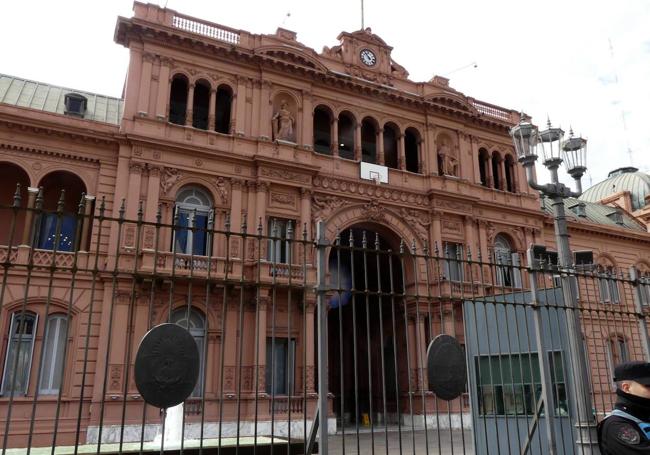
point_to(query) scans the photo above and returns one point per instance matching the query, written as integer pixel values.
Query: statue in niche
(447, 162)
(283, 123)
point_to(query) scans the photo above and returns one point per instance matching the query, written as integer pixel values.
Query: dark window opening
(201, 106)
(411, 151)
(322, 131)
(390, 147)
(280, 365)
(178, 100)
(483, 161)
(496, 161)
(368, 141)
(75, 104)
(346, 137)
(223, 107)
(279, 245)
(510, 174)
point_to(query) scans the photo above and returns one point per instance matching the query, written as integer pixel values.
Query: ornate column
(502, 171)
(266, 107)
(238, 124)
(380, 146)
(190, 106)
(162, 97)
(29, 215)
(262, 305)
(357, 142)
(133, 80)
(488, 168)
(470, 240)
(402, 152)
(310, 373)
(422, 168)
(307, 120)
(476, 160)
(436, 230)
(145, 83)
(212, 110)
(260, 106)
(431, 149)
(133, 194)
(153, 193)
(253, 219)
(235, 217)
(483, 238)
(334, 139)
(305, 214)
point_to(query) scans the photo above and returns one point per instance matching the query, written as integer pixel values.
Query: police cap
(633, 371)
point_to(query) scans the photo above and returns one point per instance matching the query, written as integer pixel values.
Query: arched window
(196, 326)
(507, 263)
(510, 174)
(322, 130)
(60, 231)
(178, 99)
(223, 109)
(201, 105)
(193, 213)
(346, 135)
(483, 163)
(369, 140)
(53, 348)
(496, 170)
(20, 348)
(10, 176)
(391, 152)
(412, 150)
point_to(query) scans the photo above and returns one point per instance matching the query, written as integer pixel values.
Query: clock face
(368, 57)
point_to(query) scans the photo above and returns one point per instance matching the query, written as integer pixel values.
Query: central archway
(366, 326)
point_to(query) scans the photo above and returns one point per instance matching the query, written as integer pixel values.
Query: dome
(622, 179)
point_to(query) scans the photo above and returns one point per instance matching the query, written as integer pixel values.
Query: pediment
(367, 36)
(452, 100)
(293, 55)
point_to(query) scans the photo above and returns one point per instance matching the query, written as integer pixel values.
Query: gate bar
(321, 288)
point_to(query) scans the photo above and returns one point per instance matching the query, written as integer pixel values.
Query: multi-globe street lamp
(555, 150)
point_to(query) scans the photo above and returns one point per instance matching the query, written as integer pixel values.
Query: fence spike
(140, 210)
(425, 250)
(61, 203)
(351, 239)
(364, 240)
(413, 247)
(17, 197)
(304, 231)
(377, 241)
(159, 214)
(401, 246)
(290, 230)
(469, 253)
(244, 224)
(259, 227)
(102, 207)
(227, 223)
(122, 209)
(82, 205)
(436, 250)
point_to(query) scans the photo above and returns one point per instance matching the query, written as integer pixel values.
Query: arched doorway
(12, 175)
(366, 327)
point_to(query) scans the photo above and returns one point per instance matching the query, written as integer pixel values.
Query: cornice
(603, 230)
(23, 148)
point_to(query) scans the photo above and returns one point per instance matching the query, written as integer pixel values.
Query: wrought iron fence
(291, 327)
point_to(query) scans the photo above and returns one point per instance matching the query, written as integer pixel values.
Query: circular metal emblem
(167, 365)
(447, 371)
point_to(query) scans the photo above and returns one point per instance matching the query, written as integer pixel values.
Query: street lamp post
(572, 151)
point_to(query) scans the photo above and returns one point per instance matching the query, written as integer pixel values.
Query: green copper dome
(622, 179)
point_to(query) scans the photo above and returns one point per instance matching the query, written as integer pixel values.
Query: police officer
(627, 429)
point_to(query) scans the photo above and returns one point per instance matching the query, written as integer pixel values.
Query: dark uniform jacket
(627, 430)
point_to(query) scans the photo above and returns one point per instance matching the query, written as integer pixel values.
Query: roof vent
(580, 209)
(75, 104)
(616, 216)
(622, 170)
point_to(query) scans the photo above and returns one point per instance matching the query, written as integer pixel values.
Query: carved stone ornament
(283, 124)
(323, 206)
(419, 221)
(168, 178)
(221, 186)
(283, 174)
(283, 198)
(374, 210)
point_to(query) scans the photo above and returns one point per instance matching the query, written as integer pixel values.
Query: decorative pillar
(163, 89)
(305, 213)
(190, 106)
(476, 159)
(422, 353)
(266, 107)
(153, 193)
(470, 237)
(357, 142)
(238, 123)
(483, 239)
(436, 230)
(488, 168)
(262, 305)
(235, 217)
(413, 354)
(380, 146)
(133, 194)
(307, 120)
(145, 84)
(421, 162)
(310, 309)
(502, 171)
(334, 139)
(259, 106)
(29, 215)
(260, 212)
(212, 110)
(402, 152)
(253, 219)
(132, 80)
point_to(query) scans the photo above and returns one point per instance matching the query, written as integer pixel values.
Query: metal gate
(294, 330)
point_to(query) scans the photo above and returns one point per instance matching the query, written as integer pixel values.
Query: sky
(583, 64)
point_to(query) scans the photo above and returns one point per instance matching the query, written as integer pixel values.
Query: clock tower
(366, 55)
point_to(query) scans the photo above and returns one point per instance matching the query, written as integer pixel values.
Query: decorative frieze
(370, 190)
(284, 174)
(283, 199)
